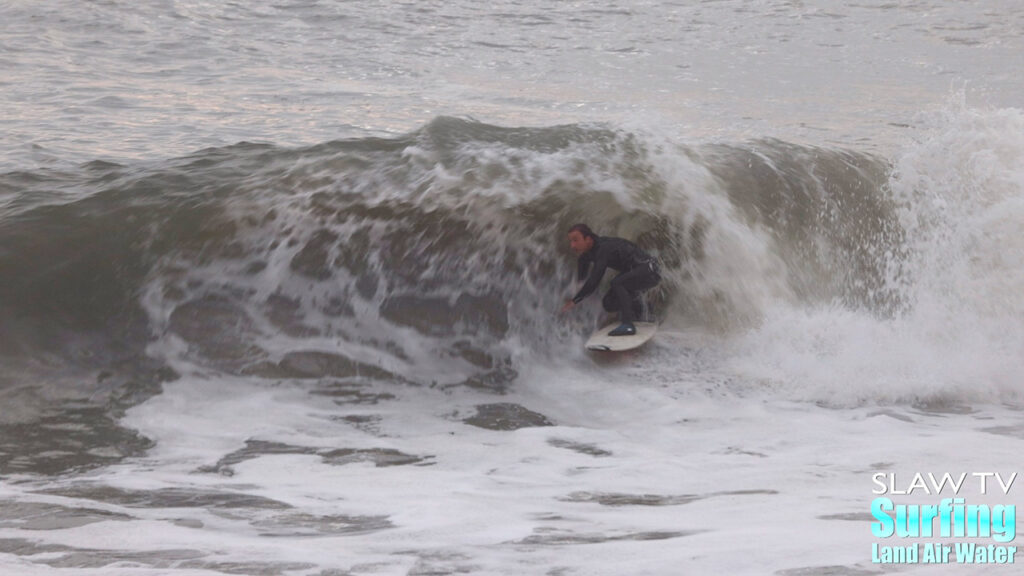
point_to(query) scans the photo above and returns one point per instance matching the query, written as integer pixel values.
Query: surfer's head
(581, 238)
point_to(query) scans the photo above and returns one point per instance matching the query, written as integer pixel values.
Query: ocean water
(279, 283)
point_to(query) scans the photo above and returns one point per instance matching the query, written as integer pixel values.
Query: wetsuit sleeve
(596, 273)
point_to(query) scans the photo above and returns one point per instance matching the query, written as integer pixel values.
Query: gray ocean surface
(279, 282)
(109, 80)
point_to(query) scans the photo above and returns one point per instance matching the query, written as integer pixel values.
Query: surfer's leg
(618, 299)
(623, 299)
(610, 302)
(637, 304)
(625, 292)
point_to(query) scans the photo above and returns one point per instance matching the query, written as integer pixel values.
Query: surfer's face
(580, 243)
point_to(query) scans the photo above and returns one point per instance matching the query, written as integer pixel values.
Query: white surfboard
(600, 340)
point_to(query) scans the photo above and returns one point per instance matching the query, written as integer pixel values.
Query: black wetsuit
(638, 271)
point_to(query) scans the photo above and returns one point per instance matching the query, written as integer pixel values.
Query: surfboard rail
(600, 340)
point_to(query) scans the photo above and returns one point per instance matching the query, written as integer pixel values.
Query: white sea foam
(676, 478)
(957, 338)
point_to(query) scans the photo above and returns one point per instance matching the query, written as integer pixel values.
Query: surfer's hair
(582, 229)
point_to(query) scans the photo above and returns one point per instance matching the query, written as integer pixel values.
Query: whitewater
(279, 285)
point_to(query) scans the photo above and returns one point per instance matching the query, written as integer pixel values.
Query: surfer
(638, 271)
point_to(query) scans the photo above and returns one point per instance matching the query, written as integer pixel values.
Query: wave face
(439, 255)
(440, 258)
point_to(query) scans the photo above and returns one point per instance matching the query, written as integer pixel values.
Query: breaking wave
(439, 257)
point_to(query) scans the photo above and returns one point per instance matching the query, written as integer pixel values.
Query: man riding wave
(638, 271)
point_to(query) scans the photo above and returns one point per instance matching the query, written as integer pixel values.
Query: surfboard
(600, 340)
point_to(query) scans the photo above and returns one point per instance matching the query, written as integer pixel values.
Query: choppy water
(278, 282)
